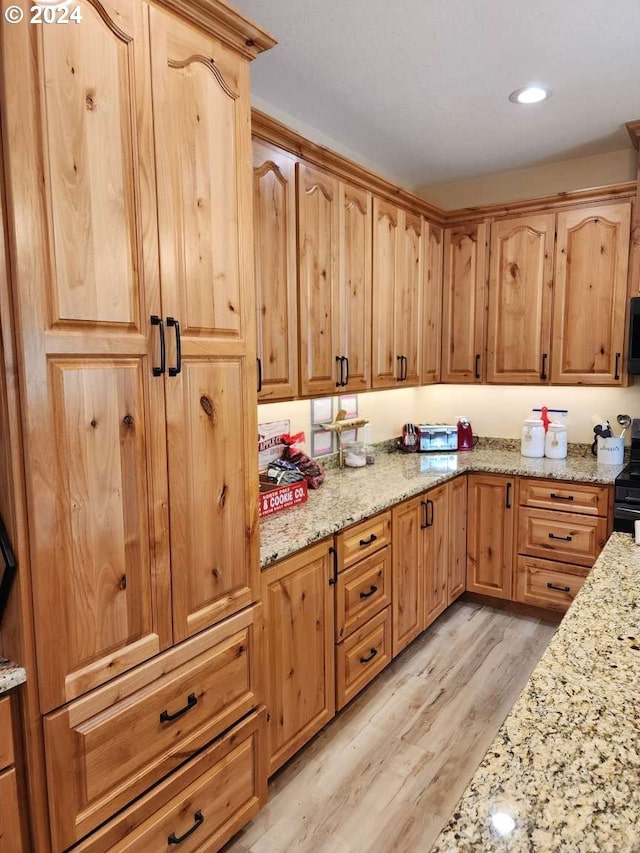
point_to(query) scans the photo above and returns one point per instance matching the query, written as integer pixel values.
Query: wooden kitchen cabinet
(421, 561)
(127, 153)
(354, 283)
(432, 305)
(334, 273)
(491, 528)
(436, 553)
(463, 303)
(408, 587)
(520, 299)
(457, 575)
(12, 835)
(298, 603)
(274, 224)
(398, 268)
(162, 147)
(590, 295)
(562, 527)
(318, 271)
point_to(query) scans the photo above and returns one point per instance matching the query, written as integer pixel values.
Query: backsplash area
(492, 409)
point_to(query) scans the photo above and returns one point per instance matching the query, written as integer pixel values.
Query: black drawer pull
(561, 497)
(192, 701)
(617, 371)
(507, 497)
(259, 361)
(173, 323)
(369, 541)
(157, 321)
(543, 371)
(559, 588)
(561, 538)
(371, 591)
(477, 373)
(198, 820)
(371, 656)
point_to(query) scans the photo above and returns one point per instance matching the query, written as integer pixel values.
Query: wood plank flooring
(386, 774)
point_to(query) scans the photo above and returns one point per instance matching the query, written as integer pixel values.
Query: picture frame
(321, 442)
(321, 411)
(349, 402)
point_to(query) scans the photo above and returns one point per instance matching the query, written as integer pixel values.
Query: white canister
(532, 439)
(555, 442)
(610, 450)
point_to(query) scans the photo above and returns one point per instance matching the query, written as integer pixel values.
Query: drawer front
(10, 829)
(6, 733)
(566, 497)
(362, 656)
(562, 536)
(98, 762)
(362, 590)
(212, 797)
(363, 539)
(544, 583)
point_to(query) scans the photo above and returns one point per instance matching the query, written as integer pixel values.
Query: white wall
(599, 170)
(493, 410)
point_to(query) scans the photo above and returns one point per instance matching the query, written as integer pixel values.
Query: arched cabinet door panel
(203, 143)
(80, 173)
(592, 256)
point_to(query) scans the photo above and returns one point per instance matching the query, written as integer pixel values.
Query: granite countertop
(11, 675)
(563, 772)
(353, 494)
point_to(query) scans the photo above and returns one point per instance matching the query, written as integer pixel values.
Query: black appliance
(627, 499)
(633, 362)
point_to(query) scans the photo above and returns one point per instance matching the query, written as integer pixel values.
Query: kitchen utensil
(410, 438)
(624, 421)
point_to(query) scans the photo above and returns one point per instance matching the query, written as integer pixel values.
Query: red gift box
(274, 498)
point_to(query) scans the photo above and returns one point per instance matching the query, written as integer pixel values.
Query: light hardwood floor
(386, 774)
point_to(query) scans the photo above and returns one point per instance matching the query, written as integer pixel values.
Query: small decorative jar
(532, 439)
(555, 443)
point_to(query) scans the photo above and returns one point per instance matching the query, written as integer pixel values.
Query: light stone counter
(563, 772)
(352, 494)
(11, 675)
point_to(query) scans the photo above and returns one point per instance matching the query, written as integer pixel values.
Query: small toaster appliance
(437, 437)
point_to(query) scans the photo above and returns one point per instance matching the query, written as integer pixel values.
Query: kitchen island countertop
(563, 772)
(353, 494)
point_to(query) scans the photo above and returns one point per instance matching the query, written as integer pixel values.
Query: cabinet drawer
(563, 536)
(214, 796)
(362, 590)
(6, 734)
(566, 497)
(544, 583)
(105, 749)
(362, 656)
(10, 828)
(363, 539)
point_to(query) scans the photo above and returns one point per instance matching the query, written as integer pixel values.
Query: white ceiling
(420, 87)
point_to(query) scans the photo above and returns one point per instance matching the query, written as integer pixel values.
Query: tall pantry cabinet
(126, 142)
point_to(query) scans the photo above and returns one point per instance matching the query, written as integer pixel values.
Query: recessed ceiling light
(530, 95)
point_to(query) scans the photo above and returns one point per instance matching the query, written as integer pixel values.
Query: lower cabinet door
(457, 538)
(490, 534)
(10, 828)
(199, 807)
(544, 583)
(297, 596)
(362, 656)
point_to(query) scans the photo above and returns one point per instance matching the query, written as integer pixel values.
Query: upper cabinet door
(355, 287)
(408, 298)
(432, 305)
(592, 255)
(520, 282)
(203, 146)
(318, 215)
(386, 258)
(274, 224)
(464, 290)
(82, 179)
